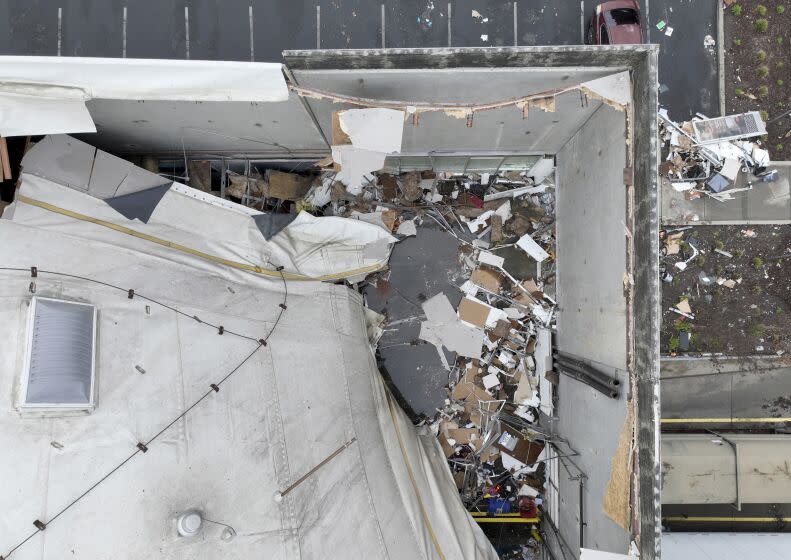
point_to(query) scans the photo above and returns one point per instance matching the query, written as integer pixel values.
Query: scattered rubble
(717, 157)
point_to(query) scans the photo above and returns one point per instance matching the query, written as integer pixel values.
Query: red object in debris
(475, 201)
(527, 507)
(615, 23)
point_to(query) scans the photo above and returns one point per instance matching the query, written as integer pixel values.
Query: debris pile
(717, 157)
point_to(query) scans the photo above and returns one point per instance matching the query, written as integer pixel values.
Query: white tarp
(313, 388)
(47, 94)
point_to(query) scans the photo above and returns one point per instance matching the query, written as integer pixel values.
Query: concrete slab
(591, 422)
(766, 203)
(743, 388)
(591, 250)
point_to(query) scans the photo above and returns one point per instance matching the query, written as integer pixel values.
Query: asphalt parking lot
(261, 29)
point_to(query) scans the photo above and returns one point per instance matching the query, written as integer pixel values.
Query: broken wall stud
(215, 387)
(142, 447)
(33, 271)
(39, 525)
(131, 294)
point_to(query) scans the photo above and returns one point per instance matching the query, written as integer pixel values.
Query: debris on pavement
(718, 157)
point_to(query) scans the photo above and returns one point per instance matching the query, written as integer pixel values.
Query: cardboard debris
(488, 279)
(683, 306)
(288, 186)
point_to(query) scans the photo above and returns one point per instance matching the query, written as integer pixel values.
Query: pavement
(728, 393)
(766, 203)
(260, 29)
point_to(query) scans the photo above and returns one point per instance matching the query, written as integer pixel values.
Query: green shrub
(763, 91)
(672, 344)
(738, 91)
(779, 82)
(764, 115)
(758, 330)
(757, 290)
(778, 310)
(761, 25)
(761, 54)
(780, 9)
(760, 10)
(719, 244)
(758, 262)
(778, 147)
(737, 42)
(762, 71)
(700, 260)
(736, 10)
(738, 253)
(780, 64)
(779, 40)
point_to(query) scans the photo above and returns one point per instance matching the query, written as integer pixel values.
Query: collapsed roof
(282, 409)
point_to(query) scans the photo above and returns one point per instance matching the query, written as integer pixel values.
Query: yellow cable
(721, 420)
(506, 519)
(194, 252)
(412, 477)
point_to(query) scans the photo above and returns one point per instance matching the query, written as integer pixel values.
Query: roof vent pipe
(189, 523)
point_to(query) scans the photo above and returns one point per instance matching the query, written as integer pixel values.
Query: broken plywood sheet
(479, 314)
(616, 496)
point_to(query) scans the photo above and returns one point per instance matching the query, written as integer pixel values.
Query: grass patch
(763, 91)
(700, 260)
(738, 253)
(761, 25)
(762, 71)
(758, 263)
(719, 245)
(780, 9)
(758, 290)
(761, 55)
(760, 9)
(736, 9)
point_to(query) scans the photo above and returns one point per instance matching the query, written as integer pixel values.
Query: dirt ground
(742, 63)
(754, 314)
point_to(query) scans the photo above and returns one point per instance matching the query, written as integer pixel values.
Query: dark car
(615, 23)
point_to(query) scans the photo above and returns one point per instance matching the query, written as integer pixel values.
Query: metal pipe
(605, 390)
(588, 370)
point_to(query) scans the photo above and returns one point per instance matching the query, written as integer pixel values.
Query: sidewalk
(767, 203)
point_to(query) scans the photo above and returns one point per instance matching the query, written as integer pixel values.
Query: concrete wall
(592, 319)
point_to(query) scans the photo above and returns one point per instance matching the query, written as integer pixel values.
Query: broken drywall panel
(378, 130)
(615, 90)
(542, 169)
(443, 328)
(532, 248)
(407, 228)
(485, 257)
(355, 164)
